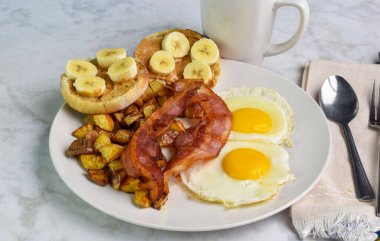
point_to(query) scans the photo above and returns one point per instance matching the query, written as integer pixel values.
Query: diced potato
(100, 131)
(91, 135)
(149, 107)
(141, 122)
(111, 152)
(119, 116)
(104, 121)
(176, 127)
(82, 131)
(88, 119)
(141, 199)
(92, 161)
(133, 117)
(148, 94)
(101, 140)
(131, 109)
(117, 178)
(122, 136)
(130, 185)
(162, 99)
(139, 102)
(157, 85)
(115, 165)
(148, 110)
(98, 176)
(164, 92)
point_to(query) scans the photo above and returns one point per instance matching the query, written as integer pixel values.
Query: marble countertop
(38, 37)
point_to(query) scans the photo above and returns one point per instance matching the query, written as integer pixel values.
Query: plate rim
(215, 227)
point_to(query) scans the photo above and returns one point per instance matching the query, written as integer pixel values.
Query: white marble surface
(38, 37)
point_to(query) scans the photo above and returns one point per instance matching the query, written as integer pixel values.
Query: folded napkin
(331, 210)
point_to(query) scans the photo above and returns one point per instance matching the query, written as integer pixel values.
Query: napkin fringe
(348, 226)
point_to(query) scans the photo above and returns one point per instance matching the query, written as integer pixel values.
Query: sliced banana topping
(123, 69)
(90, 86)
(77, 67)
(205, 50)
(106, 57)
(197, 70)
(162, 62)
(177, 44)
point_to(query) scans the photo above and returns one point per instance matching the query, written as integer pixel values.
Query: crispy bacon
(199, 143)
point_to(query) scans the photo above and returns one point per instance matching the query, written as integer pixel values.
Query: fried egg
(259, 114)
(243, 173)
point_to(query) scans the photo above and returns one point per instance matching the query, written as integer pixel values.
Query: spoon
(340, 105)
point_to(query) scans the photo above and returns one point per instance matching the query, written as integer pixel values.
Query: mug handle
(303, 8)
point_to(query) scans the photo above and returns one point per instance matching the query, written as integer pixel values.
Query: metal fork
(374, 122)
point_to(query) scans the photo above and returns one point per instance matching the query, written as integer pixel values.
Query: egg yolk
(251, 120)
(245, 164)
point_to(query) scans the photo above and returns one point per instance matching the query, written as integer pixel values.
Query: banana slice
(205, 50)
(177, 44)
(197, 70)
(123, 69)
(162, 62)
(90, 86)
(106, 57)
(77, 67)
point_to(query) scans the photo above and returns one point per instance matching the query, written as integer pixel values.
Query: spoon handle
(363, 188)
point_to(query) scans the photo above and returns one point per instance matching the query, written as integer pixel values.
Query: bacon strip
(198, 143)
(203, 141)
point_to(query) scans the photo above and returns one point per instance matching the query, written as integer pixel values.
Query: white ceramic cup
(243, 28)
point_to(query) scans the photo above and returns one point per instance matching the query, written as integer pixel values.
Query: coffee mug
(243, 28)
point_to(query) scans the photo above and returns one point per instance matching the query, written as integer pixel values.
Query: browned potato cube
(104, 121)
(148, 94)
(140, 101)
(122, 136)
(101, 140)
(157, 85)
(130, 185)
(100, 131)
(141, 199)
(131, 109)
(141, 122)
(115, 166)
(133, 117)
(162, 99)
(80, 146)
(119, 116)
(82, 131)
(88, 119)
(98, 176)
(149, 107)
(176, 127)
(92, 161)
(165, 92)
(92, 135)
(117, 178)
(110, 152)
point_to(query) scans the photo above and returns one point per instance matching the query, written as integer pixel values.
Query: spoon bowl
(340, 104)
(338, 100)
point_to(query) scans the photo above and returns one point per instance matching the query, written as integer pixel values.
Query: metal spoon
(340, 104)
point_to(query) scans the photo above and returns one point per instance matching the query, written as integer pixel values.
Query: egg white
(268, 101)
(208, 181)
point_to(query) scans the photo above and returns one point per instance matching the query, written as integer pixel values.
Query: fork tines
(374, 116)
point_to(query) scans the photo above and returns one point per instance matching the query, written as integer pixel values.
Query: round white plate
(308, 159)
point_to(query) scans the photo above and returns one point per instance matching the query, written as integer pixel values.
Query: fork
(374, 122)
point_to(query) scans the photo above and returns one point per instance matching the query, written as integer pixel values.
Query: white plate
(308, 159)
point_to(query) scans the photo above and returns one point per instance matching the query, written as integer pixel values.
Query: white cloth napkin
(331, 210)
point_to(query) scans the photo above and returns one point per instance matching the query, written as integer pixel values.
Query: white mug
(242, 29)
